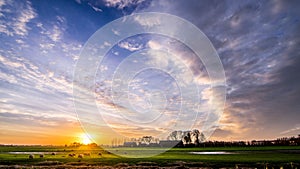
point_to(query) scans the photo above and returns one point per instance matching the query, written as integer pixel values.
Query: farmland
(57, 156)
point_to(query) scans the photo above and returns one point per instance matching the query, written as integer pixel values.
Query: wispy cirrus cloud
(95, 8)
(24, 15)
(120, 4)
(295, 130)
(131, 46)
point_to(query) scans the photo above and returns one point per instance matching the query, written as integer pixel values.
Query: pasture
(216, 157)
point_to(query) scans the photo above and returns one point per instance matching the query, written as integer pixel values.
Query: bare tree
(187, 137)
(175, 135)
(202, 137)
(147, 139)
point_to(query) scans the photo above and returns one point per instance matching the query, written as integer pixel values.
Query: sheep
(80, 155)
(31, 156)
(87, 154)
(41, 155)
(72, 155)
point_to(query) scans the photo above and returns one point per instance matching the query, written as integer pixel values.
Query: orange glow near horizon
(84, 139)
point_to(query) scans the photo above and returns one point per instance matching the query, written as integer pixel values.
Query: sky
(43, 46)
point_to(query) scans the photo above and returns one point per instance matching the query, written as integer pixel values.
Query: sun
(85, 139)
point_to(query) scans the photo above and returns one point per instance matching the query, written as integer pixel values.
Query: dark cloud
(219, 133)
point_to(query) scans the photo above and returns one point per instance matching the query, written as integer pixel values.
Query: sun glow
(84, 138)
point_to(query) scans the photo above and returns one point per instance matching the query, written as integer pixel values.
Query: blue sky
(41, 41)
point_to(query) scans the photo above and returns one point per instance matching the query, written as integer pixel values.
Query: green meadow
(257, 157)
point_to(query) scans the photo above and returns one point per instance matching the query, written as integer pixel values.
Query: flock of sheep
(31, 156)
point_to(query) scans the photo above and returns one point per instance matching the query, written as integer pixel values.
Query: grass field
(257, 157)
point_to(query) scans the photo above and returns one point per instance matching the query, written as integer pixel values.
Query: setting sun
(84, 139)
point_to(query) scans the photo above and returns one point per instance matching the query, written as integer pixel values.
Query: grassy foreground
(257, 157)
